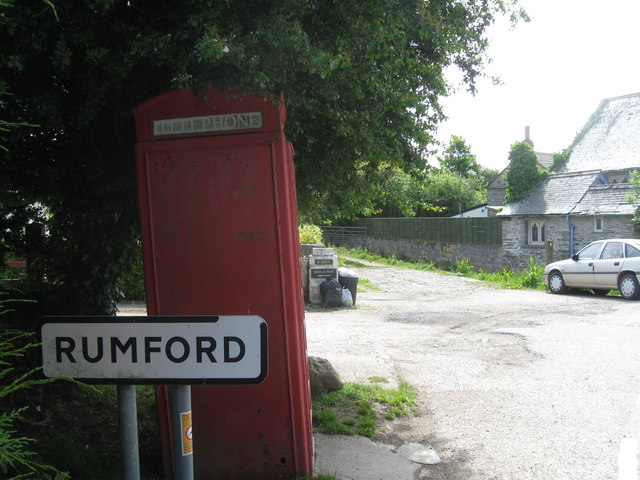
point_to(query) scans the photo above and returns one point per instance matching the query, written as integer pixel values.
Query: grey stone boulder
(323, 376)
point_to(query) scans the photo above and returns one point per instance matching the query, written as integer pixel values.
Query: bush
(532, 278)
(310, 234)
(16, 458)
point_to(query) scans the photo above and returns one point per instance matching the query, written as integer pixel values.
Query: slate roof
(609, 142)
(578, 193)
(556, 195)
(545, 160)
(605, 200)
(611, 138)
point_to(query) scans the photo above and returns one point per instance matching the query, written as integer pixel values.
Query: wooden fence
(352, 236)
(470, 231)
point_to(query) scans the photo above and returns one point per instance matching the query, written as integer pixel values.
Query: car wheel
(600, 292)
(629, 288)
(556, 283)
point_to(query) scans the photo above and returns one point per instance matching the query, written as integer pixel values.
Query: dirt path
(512, 384)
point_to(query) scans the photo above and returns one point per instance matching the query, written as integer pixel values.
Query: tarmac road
(513, 385)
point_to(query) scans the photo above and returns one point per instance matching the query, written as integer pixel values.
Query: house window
(536, 233)
(598, 224)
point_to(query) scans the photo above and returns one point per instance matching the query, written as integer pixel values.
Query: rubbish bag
(347, 299)
(331, 293)
(349, 279)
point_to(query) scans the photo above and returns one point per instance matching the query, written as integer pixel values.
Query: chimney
(527, 138)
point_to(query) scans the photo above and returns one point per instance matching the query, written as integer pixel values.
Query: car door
(579, 272)
(607, 267)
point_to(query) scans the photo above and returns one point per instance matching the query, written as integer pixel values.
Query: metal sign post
(177, 351)
(182, 432)
(128, 425)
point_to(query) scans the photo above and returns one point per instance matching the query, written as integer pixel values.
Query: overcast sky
(555, 71)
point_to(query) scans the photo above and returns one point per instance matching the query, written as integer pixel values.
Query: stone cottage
(585, 200)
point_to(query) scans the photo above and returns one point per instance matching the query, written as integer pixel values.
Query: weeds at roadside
(318, 477)
(378, 380)
(352, 263)
(357, 409)
(529, 278)
(364, 285)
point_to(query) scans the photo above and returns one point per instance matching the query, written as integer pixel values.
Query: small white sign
(155, 350)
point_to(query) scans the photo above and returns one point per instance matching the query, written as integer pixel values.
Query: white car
(601, 266)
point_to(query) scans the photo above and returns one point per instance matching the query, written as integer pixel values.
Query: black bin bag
(331, 293)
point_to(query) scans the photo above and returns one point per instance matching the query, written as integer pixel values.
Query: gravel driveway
(512, 384)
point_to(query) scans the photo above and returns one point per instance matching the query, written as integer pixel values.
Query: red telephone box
(219, 229)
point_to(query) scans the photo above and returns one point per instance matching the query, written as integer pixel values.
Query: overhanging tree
(362, 81)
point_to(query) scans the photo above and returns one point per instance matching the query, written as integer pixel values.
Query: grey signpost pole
(182, 439)
(128, 421)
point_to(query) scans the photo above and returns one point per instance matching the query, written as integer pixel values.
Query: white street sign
(229, 349)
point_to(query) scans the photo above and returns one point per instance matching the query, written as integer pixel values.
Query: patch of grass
(530, 278)
(364, 285)
(392, 260)
(357, 409)
(318, 477)
(378, 380)
(352, 263)
(464, 267)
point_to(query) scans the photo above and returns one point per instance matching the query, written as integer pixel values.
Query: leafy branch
(16, 458)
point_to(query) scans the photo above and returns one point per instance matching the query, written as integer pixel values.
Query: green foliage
(309, 234)
(439, 192)
(17, 460)
(463, 266)
(401, 195)
(560, 159)
(311, 476)
(530, 278)
(486, 175)
(365, 284)
(362, 82)
(393, 260)
(523, 174)
(460, 183)
(458, 158)
(452, 192)
(352, 409)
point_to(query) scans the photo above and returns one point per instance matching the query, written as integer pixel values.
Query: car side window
(612, 250)
(590, 252)
(631, 251)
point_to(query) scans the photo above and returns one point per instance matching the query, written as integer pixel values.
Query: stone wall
(481, 256)
(515, 251)
(612, 227)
